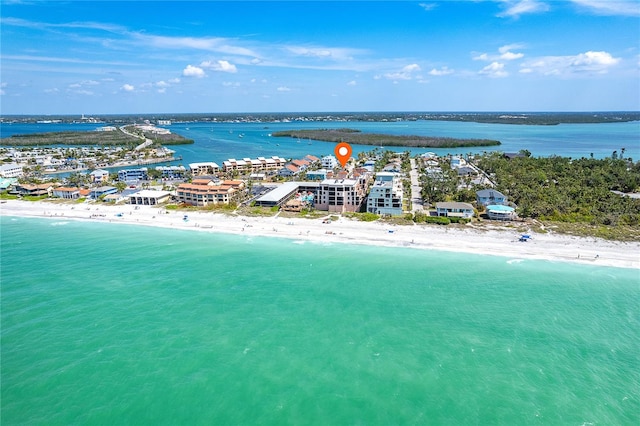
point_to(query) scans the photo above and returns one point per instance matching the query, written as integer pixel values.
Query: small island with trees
(357, 137)
(114, 136)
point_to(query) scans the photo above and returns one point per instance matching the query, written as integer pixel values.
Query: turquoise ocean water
(118, 324)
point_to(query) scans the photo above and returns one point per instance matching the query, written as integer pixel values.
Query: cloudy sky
(91, 57)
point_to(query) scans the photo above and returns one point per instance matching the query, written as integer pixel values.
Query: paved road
(416, 189)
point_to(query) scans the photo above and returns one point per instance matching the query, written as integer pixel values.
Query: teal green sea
(116, 324)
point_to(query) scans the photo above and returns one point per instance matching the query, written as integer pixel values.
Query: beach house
(454, 209)
(99, 176)
(34, 190)
(486, 197)
(68, 193)
(385, 196)
(96, 193)
(148, 197)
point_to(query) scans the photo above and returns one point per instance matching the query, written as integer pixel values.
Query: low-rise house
(114, 198)
(99, 176)
(148, 197)
(34, 190)
(385, 196)
(466, 171)
(501, 212)
(486, 197)
(454, 209)
(67, 193)
(96, 193)
(317, 174)
(458, 162)
(289, 170)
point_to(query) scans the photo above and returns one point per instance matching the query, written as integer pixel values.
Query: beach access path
(486, 240)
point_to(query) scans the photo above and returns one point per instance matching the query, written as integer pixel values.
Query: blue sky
(89, 57)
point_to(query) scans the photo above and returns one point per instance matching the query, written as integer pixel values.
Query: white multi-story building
(130, 175)
(329, 162)
(11, 170)
(341, 195)
(385, 197)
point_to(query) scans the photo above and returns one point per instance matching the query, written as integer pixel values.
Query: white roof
(150, 193)
(203, 164)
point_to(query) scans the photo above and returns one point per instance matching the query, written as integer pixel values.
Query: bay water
(119, 324)
(220, 141)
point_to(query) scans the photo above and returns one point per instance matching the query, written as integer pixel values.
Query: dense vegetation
(71, 138)
(356, 137)
(565, 190)
(116, 138)
(170, 139)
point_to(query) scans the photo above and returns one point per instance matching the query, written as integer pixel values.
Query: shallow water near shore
(105, 323)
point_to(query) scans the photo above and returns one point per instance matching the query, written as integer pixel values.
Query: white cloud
(494, 70)
(212, 44)
(513, 9)
(583, 63)
(441, 71)
(407, 73)
(428, 6)
(128, 88)
(352, 83)
(510, 56)
(610, 7)
(505, 54)
(283, 89)
(174, 80)
(52, 91)
(191, 71)
(230, 84)
(162, 83)
(223, 66)
(162, 90)
(83, 92)
(2, 86)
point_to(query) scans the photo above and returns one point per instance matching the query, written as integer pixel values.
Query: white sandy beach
(487, 240)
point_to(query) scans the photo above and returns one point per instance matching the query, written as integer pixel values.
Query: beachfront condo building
(385, 196)
(342, 195)
(202, 192)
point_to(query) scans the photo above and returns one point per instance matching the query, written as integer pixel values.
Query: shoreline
(489, 241)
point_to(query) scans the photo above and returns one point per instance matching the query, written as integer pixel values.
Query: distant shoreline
(496, 117)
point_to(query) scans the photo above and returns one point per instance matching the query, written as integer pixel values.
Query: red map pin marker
(343, 152)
